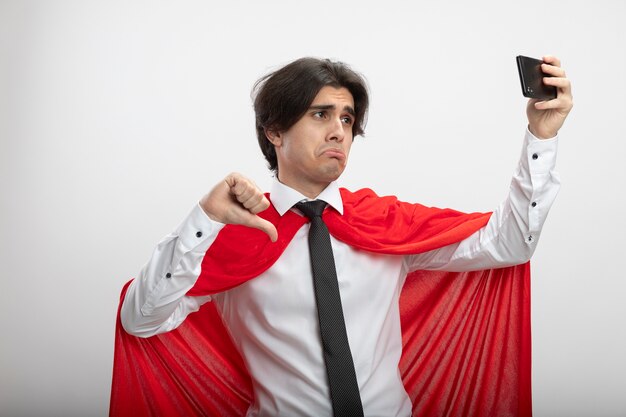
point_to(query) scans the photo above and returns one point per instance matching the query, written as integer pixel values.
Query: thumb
(263, 225)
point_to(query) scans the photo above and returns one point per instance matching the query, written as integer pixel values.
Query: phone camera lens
(529, 89)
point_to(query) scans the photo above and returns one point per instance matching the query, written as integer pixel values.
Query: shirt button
(168, 275)
(530, 238)
(198, 234)
(535, 156)
(534, 204)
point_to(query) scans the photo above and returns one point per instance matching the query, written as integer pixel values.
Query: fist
(237, 200)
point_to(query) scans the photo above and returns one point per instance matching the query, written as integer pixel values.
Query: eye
(319, 114)
(347, 120)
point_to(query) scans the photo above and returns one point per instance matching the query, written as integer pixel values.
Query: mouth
(334, 153)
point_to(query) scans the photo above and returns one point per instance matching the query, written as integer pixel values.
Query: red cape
(466, 336)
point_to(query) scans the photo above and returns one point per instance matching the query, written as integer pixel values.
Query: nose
(336, 132)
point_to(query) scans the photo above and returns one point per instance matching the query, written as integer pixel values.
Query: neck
(309, 190)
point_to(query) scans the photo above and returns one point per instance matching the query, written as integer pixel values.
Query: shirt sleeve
(155, 301)
(511, 235)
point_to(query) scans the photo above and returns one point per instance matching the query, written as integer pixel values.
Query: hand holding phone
(531, 78)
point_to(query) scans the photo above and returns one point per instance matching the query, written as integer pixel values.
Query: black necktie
(344, 389)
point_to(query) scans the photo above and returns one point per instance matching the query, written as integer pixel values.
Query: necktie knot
(312, 209)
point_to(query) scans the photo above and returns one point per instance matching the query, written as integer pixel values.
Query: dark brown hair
(282, 97)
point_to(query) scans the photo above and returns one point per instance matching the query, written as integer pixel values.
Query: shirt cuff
(540, 153)
(198, 231)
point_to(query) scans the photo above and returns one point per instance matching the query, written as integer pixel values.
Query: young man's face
(314, 151)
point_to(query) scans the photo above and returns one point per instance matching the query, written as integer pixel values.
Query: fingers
(247, 193)
(557, 78)
(552, 60)
(553, 70)
(237, 215)
(556, 103)
(237, 200)
(564, 99)
(545, 118)
(253, 201)
(563, 83)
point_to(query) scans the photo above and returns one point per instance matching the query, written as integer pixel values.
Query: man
(307, 115)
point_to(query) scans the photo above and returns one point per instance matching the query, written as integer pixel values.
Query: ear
(275, 137)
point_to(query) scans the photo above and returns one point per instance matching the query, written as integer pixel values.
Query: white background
(116, 116)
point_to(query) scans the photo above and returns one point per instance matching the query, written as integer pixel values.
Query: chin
(327, 172)
(332, 175)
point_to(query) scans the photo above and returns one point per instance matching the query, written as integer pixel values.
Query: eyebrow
(349, 109)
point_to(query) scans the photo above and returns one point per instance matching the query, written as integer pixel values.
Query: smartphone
(531, 77)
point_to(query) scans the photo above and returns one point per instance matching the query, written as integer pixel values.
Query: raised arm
(511, 235)
(513, 231)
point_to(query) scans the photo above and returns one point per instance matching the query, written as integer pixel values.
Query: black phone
(531, 77)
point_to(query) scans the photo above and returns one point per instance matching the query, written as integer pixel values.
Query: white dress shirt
(273, 318)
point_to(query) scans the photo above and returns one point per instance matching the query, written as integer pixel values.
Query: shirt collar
(284, 197)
